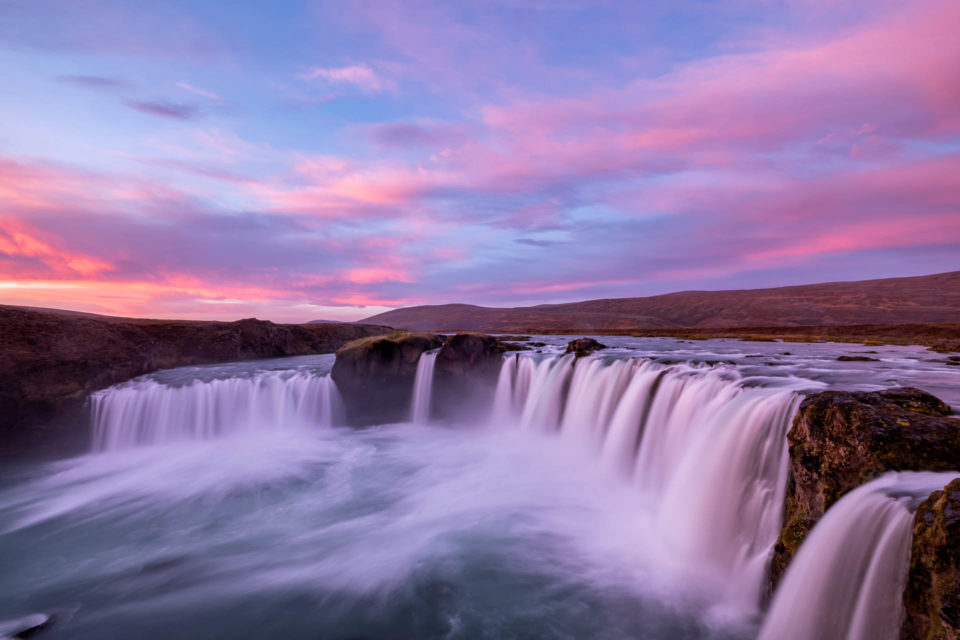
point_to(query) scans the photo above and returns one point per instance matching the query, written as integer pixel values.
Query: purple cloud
(172, 110)
(410, 134)
(99, 83)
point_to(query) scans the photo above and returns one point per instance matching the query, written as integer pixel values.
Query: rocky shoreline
(50, 361)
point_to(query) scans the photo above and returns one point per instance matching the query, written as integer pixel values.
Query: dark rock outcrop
(50, 361)
(856, 359)
(466, 374)
(932, 595)
(584, 346)
(470, 354)
(375, 375)
(841, 440)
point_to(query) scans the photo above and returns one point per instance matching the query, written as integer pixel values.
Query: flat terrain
(944, 337)
(915, 300)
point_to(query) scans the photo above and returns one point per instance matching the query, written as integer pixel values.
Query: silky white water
(617, 496)
(423, 388)
(705, 451)
(847, 580)
(146, 412)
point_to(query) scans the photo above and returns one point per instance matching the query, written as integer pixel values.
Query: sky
(303, 160)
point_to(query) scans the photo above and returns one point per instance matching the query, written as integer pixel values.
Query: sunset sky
(301, 160)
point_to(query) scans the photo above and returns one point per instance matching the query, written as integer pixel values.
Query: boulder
(856, 359)
(840, 440)
(584, 346)
(932, 596)
(375, 375)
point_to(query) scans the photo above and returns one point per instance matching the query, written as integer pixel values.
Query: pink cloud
(358, 75)
(377, 274)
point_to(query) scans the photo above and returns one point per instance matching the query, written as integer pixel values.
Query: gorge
(646, 489)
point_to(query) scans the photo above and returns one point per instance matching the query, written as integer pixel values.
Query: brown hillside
(920, 299)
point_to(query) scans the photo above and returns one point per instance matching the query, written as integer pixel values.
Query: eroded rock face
(841, 440)
(932, 596)
(584, 346)
(375, 375)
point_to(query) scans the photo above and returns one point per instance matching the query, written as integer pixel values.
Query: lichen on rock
(932, 595)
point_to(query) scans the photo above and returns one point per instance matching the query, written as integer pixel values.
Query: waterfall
(703, 447)
(423, 388)
(146, 412)
(847, 580)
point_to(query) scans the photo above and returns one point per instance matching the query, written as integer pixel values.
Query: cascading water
(146, 412)
(616, 497)
(847, 579)
(705, 449)
(423, 388)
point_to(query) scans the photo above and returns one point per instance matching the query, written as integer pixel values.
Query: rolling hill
(923, 299)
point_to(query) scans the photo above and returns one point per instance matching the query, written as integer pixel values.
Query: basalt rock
(375, 375)
(856, 359)
(931, 598)
(584, 346)
(840, 440)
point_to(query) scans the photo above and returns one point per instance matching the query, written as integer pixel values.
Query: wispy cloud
(100, 83)
(198, 91)
(171, 110)
(358, 75)
(417, 134)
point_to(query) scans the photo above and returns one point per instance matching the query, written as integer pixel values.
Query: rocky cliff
(932, 596)
(50, 361)
(375, 376)
(840, 440)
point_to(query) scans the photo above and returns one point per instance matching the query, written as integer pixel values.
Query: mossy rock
(931, 598)
(841, 440)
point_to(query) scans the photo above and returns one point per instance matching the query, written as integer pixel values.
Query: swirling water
(617, 497)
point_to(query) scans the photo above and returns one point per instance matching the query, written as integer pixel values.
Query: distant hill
(933, 298)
